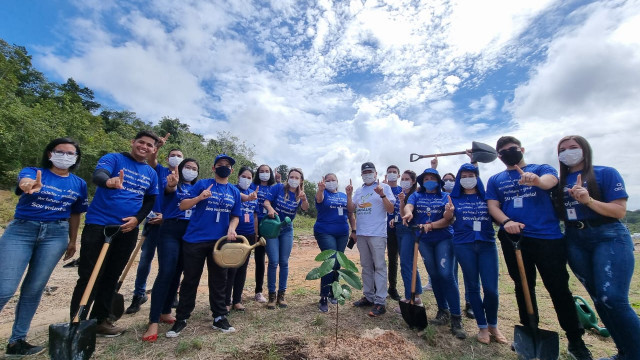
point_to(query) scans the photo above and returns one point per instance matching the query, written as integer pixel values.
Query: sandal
(238, 307)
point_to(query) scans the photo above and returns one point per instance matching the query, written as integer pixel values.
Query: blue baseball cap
(224, 156)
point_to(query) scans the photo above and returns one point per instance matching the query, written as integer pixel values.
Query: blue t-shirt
(110, 206)
(246, 226)
(162, 173)
(469, 209)
(171, 203)
(396, 207)
(332, 214)
(263, 194)
(536, 212)
(210, 218)
(59, 197)
(611, 188)
(284, 207)
(428, 208)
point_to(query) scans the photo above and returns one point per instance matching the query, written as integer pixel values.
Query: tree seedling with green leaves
(347, 272)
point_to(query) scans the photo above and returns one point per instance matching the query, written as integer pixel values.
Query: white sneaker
(260, 298)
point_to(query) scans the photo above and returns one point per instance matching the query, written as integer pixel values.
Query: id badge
(264, 210)
(571, 214)
(340, 211)
(217, 216)
(395, 218)
(477, 226)
(517, 202)
(187, 213)
(246, 217)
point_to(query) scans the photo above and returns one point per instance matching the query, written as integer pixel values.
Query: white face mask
(264, 176)
(369, 178)
(405, 184)
(63, 161)
(469, 183)
(244, 183)
(571, 157)
(175, 161)
(392, 176)
(293, 183)
(331, 185)
(448, 185)
(189, 174)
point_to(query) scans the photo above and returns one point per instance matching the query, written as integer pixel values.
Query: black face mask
(511, 156)
(223, 171)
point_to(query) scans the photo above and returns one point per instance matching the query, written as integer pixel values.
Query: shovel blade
(414, 315)
(117, 306)
(535, 344)
(75, 341)
(482, 152)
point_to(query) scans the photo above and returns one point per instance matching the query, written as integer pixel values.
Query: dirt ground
(299, 332)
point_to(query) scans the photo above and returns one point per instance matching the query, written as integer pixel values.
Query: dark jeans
(330, 242)
(602, 259)
(550, 257)
(236, 277)
(119, 252)
(439, 260)
(169, 267)
(147, 252)
(194, 256)
(392, 257)
(259, 254)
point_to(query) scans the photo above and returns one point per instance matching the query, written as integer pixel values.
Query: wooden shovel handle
(416, 157)
(523, 280)
(92, 280)
(130, 262)
(414, 271)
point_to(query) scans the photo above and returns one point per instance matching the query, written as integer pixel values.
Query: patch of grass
(8, 203)
(303, 226)
(319, 320)
(429, 334)
(188, 345)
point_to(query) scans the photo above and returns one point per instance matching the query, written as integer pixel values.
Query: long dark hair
(47, 164)
(256, 176)
(181, 166)
(587, 170)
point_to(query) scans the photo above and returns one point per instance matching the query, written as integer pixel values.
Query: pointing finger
(519, 170)
(39, 176)
(166, 137)
(450, 202)
(579, 180)
(350, 182)
(257, 187)
(210, 186)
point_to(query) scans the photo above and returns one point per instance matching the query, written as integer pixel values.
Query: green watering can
(588, 317)
(270, 228)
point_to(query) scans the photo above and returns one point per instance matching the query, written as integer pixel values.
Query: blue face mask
(430, 185)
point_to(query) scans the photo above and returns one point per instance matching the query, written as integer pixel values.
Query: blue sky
(328, 85)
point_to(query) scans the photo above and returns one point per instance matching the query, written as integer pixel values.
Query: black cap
(367, 166)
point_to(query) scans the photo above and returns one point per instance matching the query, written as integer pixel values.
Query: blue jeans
(278, 251)
(406, 239)
(602, 259)
(330, 242)
(438, 259)
(39, 245)
(479, 262)
(147, 252)
(169, 267)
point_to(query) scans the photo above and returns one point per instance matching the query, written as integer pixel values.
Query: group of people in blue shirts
(452, 223)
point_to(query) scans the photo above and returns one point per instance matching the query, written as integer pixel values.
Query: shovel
(479, 153)
(531, 342)
(77, 340)
(117, 304)
(414, 315)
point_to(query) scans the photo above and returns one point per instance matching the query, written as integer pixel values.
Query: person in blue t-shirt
(434, 214)
(263, 179)
(600, 249)
(519, 200)
(126, 191)
(283, 200)
(474, 245)
(173, 228)
(216, 215)
(406, 237)
(391, 179)
(247, 227)
(331, 230)
(45, 226)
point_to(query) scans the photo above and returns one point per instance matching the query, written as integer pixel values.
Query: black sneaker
(442, 317)
(363, 302)
(177, 327)
(223, 325)
(377, 310)
(136, 302)
(393, 294)
(22, 348)
(323, 304)
(577, 350)
(468, 311)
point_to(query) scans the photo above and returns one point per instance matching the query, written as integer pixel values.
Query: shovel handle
(523, 280)
(92, 281)
(414, 271)
(130, 262)
(416, 157)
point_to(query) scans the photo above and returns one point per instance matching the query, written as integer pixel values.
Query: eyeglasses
(60, 153)
(504, 151)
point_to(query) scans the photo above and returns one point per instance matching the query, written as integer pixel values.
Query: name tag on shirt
(395, 219)
(477, 226)
(517, 202)
(217, 216)
(264, 210)
(246, 217)
(571, 214)
(187, 213)
(340, 211)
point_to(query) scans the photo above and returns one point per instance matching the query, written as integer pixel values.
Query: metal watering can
(588, 317)
(234, 254)
(270, 228)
